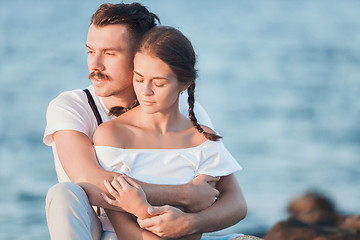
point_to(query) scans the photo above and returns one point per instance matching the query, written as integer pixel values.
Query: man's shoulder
(72, 94)
(76, 96)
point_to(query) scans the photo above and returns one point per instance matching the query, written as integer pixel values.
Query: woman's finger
(131, 182)
(124, 184)
(108, 200)
(110, 189)
(116, 185)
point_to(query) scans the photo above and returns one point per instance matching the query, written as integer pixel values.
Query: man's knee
(64, 193)
(69, 213)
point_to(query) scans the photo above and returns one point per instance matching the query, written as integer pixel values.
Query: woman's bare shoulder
(111, 133)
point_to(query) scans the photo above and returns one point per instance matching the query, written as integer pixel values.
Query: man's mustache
(99, 75)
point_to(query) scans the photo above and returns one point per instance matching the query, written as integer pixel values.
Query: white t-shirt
(166, 166)
(71, 111)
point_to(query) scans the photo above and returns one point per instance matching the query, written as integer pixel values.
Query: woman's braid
(191, 101)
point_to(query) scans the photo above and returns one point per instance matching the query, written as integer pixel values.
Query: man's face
(110, 60)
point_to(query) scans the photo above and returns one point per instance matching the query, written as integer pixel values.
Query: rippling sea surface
(280, 80)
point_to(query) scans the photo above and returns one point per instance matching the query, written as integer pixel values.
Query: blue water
(280, 80)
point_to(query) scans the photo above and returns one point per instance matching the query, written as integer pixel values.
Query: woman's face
(156, 86)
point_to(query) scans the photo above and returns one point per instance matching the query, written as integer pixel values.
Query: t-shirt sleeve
(218, 161)
(67, 112)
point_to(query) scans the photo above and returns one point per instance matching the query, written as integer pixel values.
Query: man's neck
(123, 100)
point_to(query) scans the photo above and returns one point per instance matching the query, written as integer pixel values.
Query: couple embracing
(135, 157)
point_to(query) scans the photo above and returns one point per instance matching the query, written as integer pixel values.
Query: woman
(154, 142)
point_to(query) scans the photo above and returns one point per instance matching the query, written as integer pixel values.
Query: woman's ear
(185, 87)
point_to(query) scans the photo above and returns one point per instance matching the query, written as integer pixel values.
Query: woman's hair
(135, 16)
(173, 48)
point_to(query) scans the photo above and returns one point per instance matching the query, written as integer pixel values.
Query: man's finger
(211, 178)
(146, 223)
(157, 210)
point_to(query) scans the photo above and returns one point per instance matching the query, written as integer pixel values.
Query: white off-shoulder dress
(167, 166)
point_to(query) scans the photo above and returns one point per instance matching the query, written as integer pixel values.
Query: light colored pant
(70, 216)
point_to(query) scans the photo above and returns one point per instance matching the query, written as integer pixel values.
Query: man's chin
(101, 92)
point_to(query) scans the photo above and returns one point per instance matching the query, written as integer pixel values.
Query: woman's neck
(163, 122)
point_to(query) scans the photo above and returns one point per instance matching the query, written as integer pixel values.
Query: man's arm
(229, 209)
(195, 196)
(78, 158)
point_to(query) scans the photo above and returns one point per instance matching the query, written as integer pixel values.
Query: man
(112, 37)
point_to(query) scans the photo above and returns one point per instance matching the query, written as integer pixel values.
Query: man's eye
(138, 80)
(109, 53)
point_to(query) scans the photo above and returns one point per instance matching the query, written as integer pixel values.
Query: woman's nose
(147, 89)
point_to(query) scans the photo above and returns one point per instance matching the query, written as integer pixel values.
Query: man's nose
(96, 63)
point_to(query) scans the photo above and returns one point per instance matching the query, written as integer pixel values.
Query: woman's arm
(126, 227)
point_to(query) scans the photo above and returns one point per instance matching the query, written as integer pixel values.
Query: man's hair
(135, 16)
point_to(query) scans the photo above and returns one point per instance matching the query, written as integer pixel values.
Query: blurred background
(279, 78)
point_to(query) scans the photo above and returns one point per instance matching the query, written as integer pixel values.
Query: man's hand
(201, 193)
(167, 222)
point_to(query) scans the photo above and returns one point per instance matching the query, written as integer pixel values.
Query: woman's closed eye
(159, 83)
(139, 80)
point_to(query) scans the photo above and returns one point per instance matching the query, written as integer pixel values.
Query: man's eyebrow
(105, 49)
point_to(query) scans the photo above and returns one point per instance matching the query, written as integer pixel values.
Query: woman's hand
(128, 195)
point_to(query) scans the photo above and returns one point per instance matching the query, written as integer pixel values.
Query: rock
(350, 223)
(313, 217)
(246, 237)
(309, 202)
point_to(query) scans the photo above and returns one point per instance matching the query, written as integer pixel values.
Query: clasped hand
(165, 221)
(128, 195)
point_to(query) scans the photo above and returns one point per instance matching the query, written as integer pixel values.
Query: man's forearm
(198, 194)
(229, 209)
(170, 222)
(158, 195)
